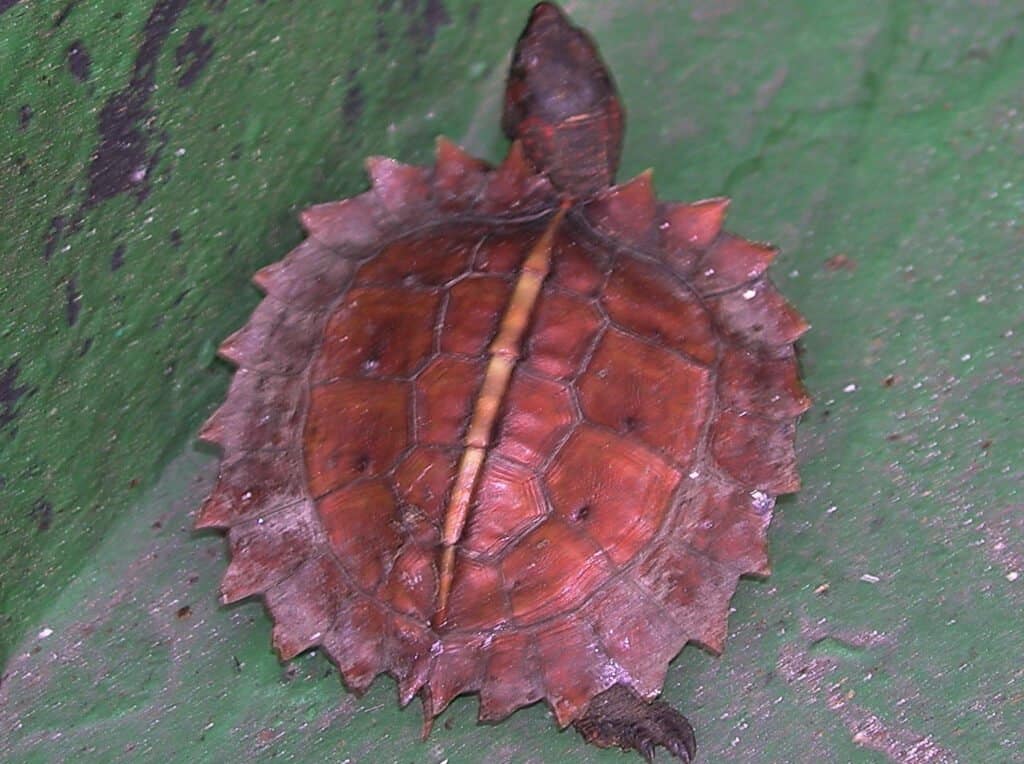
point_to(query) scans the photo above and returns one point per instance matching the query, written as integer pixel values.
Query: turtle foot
(620, 717)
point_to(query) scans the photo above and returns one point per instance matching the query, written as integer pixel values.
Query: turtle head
(561, 104)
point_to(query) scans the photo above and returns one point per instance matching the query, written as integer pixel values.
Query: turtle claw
(620, 717)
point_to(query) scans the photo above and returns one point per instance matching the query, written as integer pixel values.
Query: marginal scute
(515, 186)
(308, 278)
(574, 667)
(626, 212)
(411, 658)
(731, 262)
(778, 392)
(401, 188)
(635, 634)
(693, 590)
(359, 641)
(261, 412)
(277, 340)
(693, 227)
(266, 550)
(347, 225)
(457, 669)
(728, 523)
(304, 605)
(756, 451)
(756, 314)
(512, 678)
(458, 176)
(255, 483)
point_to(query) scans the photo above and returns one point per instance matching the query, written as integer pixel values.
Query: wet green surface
(881, 144)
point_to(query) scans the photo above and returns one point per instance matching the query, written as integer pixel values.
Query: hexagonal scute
(647, 392)
(445, 394)
(423, 479)
(355, 428)
(509, 501)
(433, 259)
(538, 414)
(358, 521)
(612, 490)
(563, 328)
(378, 332)
(551, 570)
(648, 300)
(475, 307)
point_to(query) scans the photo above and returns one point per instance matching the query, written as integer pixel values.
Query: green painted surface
(888, 133)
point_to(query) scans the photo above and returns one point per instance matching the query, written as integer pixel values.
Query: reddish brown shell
(630, 478)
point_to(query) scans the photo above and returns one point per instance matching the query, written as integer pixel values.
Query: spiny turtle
(514, 430)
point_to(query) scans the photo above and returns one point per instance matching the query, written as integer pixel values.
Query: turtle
(511, 430)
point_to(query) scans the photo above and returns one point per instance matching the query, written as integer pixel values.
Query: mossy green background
(154, 154)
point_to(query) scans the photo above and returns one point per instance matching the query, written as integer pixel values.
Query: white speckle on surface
(694, 475)
(850, 388)
(750, 294)
(1012, 576)
(762, 501)
(831, 509)
(965, 357)
(45, 633)
(868, 578)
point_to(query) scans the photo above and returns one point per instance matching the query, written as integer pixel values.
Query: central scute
(596, 431)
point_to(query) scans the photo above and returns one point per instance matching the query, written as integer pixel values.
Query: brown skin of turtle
(512, 431)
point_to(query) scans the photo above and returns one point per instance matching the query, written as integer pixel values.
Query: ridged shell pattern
(631, 476)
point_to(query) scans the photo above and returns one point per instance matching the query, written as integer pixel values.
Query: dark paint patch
(61, 17)
(175, 238)
(355, 101)
(10, 394)
(79, 61)
(52, 238)
(86, 347)
(6, 5)
(122, 160)
(196, 51)
(117, 258)
(42, 515)
(427, 17)
(24, 116)
(72, 300)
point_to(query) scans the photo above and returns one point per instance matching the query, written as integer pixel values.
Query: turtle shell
(614, 443)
